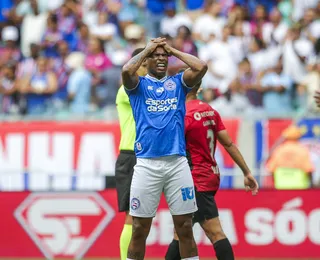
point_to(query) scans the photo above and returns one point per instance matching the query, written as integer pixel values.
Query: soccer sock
(125, 240)
(173, 252)
(223, 250)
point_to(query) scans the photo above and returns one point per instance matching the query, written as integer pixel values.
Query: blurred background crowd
(65, 56)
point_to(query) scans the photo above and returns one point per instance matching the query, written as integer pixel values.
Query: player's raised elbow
(202, 68)
(126, 71)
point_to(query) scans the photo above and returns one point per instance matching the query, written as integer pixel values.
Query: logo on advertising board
(64, 224)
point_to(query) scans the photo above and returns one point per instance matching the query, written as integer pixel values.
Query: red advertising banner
(74, 224)
(66, 147)
(53, 153)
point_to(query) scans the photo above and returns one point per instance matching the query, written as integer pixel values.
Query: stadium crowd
(66, 55)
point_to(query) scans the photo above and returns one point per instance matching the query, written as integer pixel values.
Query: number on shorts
(210, 136)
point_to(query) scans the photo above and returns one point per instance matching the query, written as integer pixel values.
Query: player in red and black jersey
(203, 127)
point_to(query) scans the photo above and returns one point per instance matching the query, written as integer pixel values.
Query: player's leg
(140, 231)
(179, 192)
(187, 245)
(125, 236)
(208, 217)
(220, 242)
(123, 174)
(146, 187)
(173, 252)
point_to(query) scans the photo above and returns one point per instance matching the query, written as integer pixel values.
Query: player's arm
(249, 181)
(317, 98)
(129, 74)
(225, 140)
(197, 68)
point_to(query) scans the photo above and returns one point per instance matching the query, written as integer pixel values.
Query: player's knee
(184, 230)
(128, 219)
(139, 232)
(215, 235)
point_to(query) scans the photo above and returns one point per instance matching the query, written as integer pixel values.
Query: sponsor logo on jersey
(135, 203)
(197, 116)
(159, 90)
(155, 105)
(150, 87)
(170, 85)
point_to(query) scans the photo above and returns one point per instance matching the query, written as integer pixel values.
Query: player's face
(158, 63)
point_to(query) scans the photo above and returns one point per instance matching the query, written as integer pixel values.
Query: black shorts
(124, 172)
(207, 207)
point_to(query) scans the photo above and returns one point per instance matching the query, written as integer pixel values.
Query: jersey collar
(155, 79)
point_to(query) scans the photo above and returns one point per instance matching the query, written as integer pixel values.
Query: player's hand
(317, 98)
(251, 184)
(168, 49)
(154, 43)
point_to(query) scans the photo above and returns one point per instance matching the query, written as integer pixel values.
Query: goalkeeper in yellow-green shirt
(126, 159)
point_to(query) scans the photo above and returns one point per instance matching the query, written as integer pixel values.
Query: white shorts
(170, 174)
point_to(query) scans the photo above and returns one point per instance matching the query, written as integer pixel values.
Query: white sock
(191, 258)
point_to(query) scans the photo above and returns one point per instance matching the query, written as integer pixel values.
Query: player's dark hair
(136, 51)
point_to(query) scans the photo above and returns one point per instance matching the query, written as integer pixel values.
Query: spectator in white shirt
(296, 52)
(310, 25)
(222, 66)
(274, 32)
(209, 23)
(309, 85)
(32, 28)
(239, 42)
(299, 7)
(104, 30)
(172, 21)
(257, 55)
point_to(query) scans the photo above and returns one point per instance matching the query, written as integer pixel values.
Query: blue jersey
(158, 110)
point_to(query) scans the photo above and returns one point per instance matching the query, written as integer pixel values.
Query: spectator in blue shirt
(155, 13)
(79, 84)
(5, 6)
(276, 91)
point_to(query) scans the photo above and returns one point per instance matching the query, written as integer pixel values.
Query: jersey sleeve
(186, 88)
(219, 123)
(136, 89)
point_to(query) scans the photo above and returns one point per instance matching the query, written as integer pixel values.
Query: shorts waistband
(127, 152)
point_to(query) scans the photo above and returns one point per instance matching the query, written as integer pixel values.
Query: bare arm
(130, 77)
(197, 68)
(52, 84)
(235, 154)
(317, 98)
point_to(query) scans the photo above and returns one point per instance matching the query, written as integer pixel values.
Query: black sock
(223, 250)
(173, 252)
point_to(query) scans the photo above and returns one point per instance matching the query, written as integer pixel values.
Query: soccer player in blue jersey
(158, 104)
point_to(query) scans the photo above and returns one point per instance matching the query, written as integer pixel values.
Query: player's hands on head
(251, 184)
(317, 98)
(154, 43)
(168, 49)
